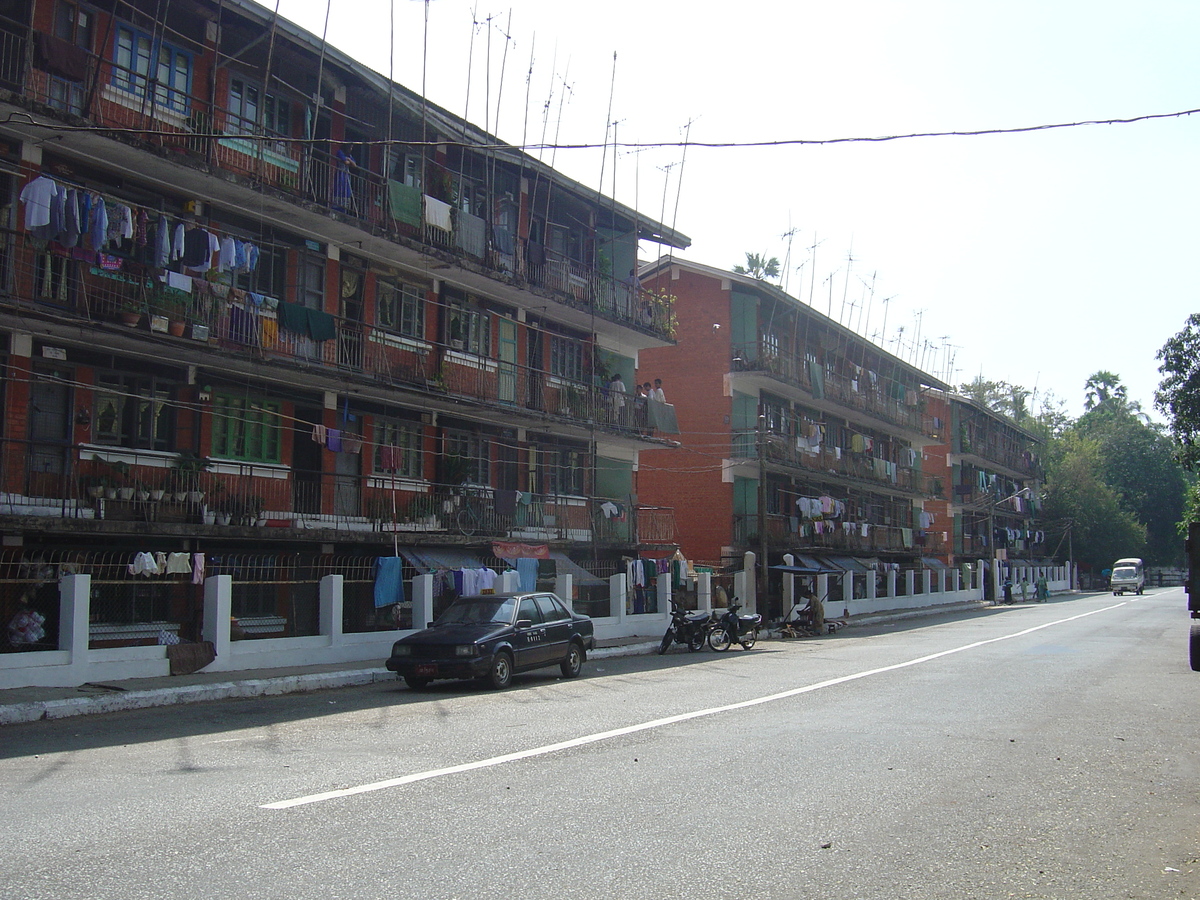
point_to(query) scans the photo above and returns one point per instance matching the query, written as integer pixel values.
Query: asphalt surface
(31, 704)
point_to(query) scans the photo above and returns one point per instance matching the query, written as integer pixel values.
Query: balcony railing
(862, 394)
(202, 314)
(860, 466)
(192, 129)
(879, 538)
(90, 481)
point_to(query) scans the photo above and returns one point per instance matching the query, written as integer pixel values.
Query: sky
(1035, 258)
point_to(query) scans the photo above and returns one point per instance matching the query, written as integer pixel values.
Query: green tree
(1138, 461)
(1075, 491)
(759, 267)
(1178, 394)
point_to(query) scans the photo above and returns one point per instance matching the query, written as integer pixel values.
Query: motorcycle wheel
(696, 641)
(718, 639)
(750, 640)
(666, 642)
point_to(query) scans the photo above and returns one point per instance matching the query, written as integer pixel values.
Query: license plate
(428, 669)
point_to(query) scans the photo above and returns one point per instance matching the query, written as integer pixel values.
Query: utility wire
(29, 120)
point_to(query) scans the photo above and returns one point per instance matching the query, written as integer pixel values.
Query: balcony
(783, 450)
(125, 488)
(191, 131)
(899, 407)
(194, 314)
(879, 538)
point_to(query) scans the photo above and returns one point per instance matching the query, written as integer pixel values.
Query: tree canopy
(1178, 394)
(759, 267)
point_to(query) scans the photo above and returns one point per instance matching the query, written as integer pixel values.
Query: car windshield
(1124, 573)
(479, 611)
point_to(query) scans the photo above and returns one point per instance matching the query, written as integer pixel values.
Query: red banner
(508, 550)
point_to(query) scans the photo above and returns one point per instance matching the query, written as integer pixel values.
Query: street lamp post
(762, 514)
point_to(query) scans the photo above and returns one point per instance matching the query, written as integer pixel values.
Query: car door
(558, 627)
(529, 636)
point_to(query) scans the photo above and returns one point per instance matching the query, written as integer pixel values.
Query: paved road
(1040, 751)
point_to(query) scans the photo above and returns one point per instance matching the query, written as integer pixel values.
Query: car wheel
(415, 682)
(718, 639)
(750, 640)
(1194, 647)
(665, 644)
(500, 674)
(573, 664)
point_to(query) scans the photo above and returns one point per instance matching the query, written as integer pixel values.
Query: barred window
(398, 447)
(401, 308)
(566, 358)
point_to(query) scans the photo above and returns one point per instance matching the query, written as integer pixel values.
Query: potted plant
(183, 479)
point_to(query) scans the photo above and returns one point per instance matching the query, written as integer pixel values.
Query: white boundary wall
(75, 663)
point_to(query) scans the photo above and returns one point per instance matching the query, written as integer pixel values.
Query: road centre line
(659, 723)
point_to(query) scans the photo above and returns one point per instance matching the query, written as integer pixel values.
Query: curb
(119, 701)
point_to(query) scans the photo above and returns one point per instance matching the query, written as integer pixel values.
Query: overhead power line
(29, 120)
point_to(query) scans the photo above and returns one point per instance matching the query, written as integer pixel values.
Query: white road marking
(658, 723)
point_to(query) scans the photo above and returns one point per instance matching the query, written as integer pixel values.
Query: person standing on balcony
(616, 398)
(343, 197)
(657, 392)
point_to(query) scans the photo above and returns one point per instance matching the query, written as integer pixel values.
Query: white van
(1127, 575)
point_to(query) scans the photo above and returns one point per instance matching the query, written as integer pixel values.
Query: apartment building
(994, 476)
(265, 313)
(798, 436)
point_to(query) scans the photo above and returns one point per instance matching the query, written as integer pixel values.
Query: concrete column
(909, 582)
(847, 590)
(823, 588)
(332, 600)
(617, 590)
(739, 586)
(872, 588)
(422, 601)
(564, 586)
(750, 571)
(218, 610)
(704, 591)
(74, 613)
(891, 582)
(926, 581)
(789, 584)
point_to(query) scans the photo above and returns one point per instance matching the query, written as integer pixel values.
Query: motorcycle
(685, 628)
(733, 628)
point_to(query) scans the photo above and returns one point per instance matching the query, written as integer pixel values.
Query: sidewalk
(31, 704)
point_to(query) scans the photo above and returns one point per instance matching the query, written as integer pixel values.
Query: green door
(507, 373)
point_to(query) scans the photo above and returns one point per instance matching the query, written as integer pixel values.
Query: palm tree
(759, 267)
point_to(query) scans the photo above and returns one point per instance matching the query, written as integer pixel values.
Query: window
(564, 470)
(250, 109)
(566, 358)
(140, 59)
(468, 327)
(465, 458)
(406, 168)
(401, 308)
(73, 24)
(133, 411)
(398, 442)
(311, 291)
(269, 275)
(244, 428)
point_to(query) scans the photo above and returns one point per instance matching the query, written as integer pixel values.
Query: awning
(440, 559)
(809, 562)
(805, 570)
(846, 564)
(930, 562)
(567, 566)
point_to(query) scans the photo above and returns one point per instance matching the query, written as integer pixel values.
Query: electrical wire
(29, 120)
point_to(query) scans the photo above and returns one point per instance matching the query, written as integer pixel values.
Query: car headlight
(466, 650)
(401, 650)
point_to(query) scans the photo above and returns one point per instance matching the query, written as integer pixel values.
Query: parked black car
(491, 636)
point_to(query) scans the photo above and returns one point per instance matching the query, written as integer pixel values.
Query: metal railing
(118, 484)
(192, 128)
